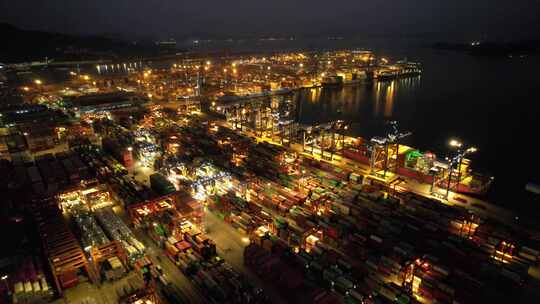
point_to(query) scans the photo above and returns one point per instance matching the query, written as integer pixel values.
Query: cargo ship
(228, 97)
(333, 81)
(399, 70)
(425, 167)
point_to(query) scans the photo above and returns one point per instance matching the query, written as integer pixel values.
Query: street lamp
(4, 279)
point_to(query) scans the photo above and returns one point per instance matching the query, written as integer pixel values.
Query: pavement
(230, 244)
(106, 293)
(181, 284)
(141, 173)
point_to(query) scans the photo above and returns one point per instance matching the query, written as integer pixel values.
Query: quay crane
(323, 136)
(383, 149)
(457, 159)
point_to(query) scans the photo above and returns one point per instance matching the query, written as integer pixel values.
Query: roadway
(182, 285)
(104, 293)
(230, 244)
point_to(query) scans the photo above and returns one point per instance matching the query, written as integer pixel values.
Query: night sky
(444, 19)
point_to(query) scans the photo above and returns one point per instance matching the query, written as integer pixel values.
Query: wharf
(490, 211)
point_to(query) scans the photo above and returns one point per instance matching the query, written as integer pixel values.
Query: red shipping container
(332, 256)
(328, 299)
(290, 279)
(332, 232)
(68, 279)
(279, 248)
(183, 246)
(442, 296)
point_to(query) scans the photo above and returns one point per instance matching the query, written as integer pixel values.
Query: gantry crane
(407, 276)
(323, 136)
(384, 148)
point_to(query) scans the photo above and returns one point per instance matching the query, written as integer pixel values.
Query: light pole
(38, 82)
(4, 279)
(461, 153)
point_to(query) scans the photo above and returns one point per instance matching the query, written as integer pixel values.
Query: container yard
(136, 210)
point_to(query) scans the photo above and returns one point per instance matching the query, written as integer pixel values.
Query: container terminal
(195, 183)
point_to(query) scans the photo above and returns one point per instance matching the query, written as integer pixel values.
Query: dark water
(490, 103)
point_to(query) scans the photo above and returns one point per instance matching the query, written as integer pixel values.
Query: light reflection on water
(359, 103)
(115, 68)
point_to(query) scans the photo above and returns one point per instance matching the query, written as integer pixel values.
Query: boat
(401, 69)
(410, 162)
(227, 97)
(333, 81)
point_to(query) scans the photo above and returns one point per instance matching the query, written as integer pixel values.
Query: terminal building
(96, 103)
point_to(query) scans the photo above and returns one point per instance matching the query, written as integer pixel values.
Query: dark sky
(457, 19)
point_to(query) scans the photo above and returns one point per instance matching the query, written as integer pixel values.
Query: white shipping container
(376, 238)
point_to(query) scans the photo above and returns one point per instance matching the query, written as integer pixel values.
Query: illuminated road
(230, 245)
(181, 284)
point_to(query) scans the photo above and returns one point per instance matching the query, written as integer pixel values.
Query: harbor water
(488, 103)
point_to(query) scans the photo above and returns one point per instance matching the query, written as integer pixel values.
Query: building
(39, 139)
(95, 103)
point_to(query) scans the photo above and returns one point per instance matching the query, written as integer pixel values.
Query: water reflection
(118, 68)
(377, 102)
(371, 101)
(389, 100)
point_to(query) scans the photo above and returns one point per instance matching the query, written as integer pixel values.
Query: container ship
(399, 70)
(228, 97)
(333, 81)
(425, 167)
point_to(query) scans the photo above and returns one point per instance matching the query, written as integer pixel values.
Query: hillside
(24, 45)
